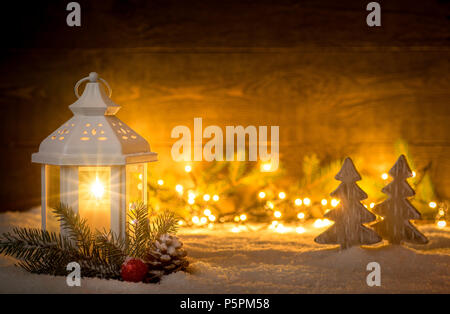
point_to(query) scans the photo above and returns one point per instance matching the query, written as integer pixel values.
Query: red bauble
(134, 270)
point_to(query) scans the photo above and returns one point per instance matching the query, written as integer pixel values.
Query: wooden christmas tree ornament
(350, 214)
(397, 210)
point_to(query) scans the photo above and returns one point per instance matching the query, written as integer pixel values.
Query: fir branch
(138, 230)
(77, 228)
(164, 222)
(111, 247)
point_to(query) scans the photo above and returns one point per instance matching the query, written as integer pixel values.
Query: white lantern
(94, 163)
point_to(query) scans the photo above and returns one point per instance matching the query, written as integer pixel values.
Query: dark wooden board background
(334, 86)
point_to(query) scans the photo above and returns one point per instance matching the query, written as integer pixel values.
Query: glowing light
(365, 206)
(441, 212)
(206, 197)
(235, 230)
(236, 218)
(160, 182)
(334, 202)
(140, 176)
(298, 202)
(207, 212)
(262, 194)
(300, 230)
(413, 174)
(180, 222)
(191, 195)
(301, 215)
(384, 176)
(203, 220)
(191, 201)
(266, 167)
(282, 195)
(372, 205)
(212, 217)
(320, 223)
(215, 198)
(188, 168)
(97, 189)
(243, 217)
(281, 229)
(432, 204)
(277, 214)
(139, 186)
(324, 202)
(270, 205)
(306, 201)
(195, 219)
(441, 223)
(179, 188)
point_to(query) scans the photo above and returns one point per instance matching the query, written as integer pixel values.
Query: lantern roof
(94, 135)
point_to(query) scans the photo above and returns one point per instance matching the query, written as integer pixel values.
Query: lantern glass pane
(94, 196)
(52, 191)
(136, 186)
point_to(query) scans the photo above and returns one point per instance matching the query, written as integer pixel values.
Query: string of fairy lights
(207, 217)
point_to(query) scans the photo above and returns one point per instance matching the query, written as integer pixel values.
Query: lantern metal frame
(93, 137)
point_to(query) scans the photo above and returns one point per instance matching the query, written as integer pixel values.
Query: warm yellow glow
(191, 195)
(180, 222)
(274, 223)
(97, 189)
(206, 197)
(140, 176)
(277, 214)
(365, 206)
(298, 202)
(324, 202)
(236, 218)
(195, 219)
(306, 201)
(262, 194)
(301, 215)
(266, 167)
(243, 217)
(384, 176)
(441, 223)
(215, 198)
(281, 229)
(270, 205)
(300, 230)
(413, 174)
(282, 195)
(207, 212)
(203, 220)
(235, 230)
(179, 188)
(139, 186)
(188, 168)
(191, 201)
(441, 212)
(212, 217)
(432, 204)
(334, 202)
(372, 205)
(160, 182)
(320, 223)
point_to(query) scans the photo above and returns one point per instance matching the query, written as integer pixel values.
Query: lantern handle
(93, 77)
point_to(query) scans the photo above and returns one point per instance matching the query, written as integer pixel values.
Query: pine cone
(166, 256)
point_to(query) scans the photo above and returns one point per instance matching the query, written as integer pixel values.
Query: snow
(258, 260)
